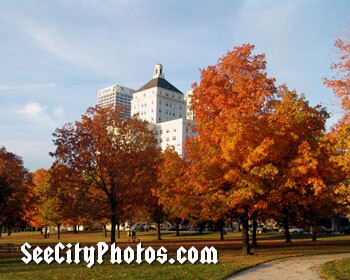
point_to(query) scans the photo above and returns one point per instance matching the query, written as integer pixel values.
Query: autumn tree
(297, 157)
(34, 209)
(340, 134)
(231, 105)
(116, 156)
(53, 201)
(176, 196)
(14, 182)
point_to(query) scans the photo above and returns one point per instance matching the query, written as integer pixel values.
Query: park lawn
(336, 270)
(271, 247)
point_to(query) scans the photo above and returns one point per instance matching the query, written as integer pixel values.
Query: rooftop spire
(158, 71)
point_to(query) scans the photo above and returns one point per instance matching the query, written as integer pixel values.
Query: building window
(174, 138)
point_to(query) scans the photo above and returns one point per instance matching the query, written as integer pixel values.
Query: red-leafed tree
(117, 157)
(15, 182)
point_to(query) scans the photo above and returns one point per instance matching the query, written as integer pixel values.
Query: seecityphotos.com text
(69, 254)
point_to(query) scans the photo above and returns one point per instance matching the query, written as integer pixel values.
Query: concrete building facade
(114, 96)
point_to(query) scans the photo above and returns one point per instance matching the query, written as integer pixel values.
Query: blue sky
(56, 54)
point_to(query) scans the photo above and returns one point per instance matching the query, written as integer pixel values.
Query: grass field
(336, 270)
(271, 246)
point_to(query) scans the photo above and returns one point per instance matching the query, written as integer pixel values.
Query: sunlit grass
(336, 270)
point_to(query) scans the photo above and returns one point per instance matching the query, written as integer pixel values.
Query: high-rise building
(114, 96)
(164, 107)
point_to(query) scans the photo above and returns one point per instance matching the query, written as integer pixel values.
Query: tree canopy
(116, 157)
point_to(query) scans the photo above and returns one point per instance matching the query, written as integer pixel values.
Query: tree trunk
(58, 231)
(45, 232)
(8, 231)
(221, 229)
(75, 229)
(178, 221)
(113, 218)
(286, 230)
(159, 237)
(313, 231)
(245, 238)
(254, 239)
(118, 230)
(0, 229)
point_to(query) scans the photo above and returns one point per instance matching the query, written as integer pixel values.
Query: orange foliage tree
(340, 134)
(176, 196)
(54, 202)
(117, 157)
(34, 210)
(258, 150)
(231, 105)
(299, 157)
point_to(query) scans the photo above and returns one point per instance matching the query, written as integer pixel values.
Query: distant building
(163, 105)
(157, 102)
(116, 95)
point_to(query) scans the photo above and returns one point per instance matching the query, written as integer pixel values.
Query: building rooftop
(159, 82)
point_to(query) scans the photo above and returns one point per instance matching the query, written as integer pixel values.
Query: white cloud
(34, 112)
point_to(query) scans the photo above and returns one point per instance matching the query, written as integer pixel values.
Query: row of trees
(261, 152)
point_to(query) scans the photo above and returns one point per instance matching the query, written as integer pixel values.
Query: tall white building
(164, 107)
(158, 100)
(116, 95)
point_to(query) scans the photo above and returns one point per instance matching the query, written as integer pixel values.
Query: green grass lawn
(336, 270)
(271, 246)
